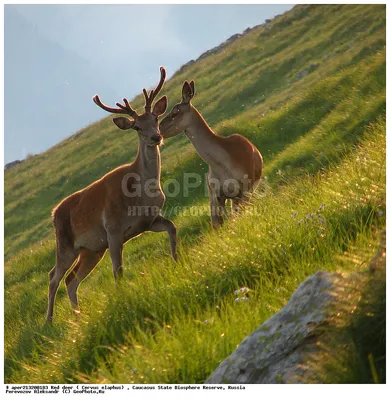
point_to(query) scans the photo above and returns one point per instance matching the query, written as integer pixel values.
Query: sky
(61, 55)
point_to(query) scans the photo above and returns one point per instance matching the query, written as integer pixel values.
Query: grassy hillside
(309, 90)
(252, 87)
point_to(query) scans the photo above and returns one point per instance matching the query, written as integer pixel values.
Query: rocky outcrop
(12, 164)
(272, 352)
(219, 48)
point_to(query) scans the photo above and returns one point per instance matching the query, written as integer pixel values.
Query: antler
(154, 92)
(126, 109)
(123, 109)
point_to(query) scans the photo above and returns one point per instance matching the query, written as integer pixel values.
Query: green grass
(270, 252)
(320, 206)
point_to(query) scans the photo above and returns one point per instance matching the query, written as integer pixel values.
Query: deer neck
(203, 138)
(148, 161)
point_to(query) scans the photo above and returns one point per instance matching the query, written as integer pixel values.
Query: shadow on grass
(352, 347)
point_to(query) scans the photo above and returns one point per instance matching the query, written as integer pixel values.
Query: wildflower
(241, 299)
(243, 289)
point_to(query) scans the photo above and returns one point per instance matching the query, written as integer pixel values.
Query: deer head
(179, 118)
(145, 124)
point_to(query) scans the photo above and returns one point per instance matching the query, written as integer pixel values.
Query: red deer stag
(235, 164)
(121, 205)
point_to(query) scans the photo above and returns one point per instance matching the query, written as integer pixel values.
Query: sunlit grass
(295, 231)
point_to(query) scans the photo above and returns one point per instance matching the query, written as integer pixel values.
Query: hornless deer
(235, 164)
(121, 205)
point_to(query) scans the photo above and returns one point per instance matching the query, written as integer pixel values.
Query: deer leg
(161, 224)
(218, 212)
(238, 203)
(65, 259)
(115, 245)
(86, 263)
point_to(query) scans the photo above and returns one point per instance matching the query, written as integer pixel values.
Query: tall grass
(295, 231)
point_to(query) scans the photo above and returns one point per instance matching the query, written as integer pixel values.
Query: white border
(262, 391)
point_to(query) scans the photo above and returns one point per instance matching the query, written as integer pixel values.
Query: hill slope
(309, 90)
(274, 84)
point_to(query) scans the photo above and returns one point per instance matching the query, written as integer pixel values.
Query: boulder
(272, 353)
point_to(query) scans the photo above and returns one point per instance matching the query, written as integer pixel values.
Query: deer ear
(124, 123)
(160, 107)
(192, 84)
(186, 93)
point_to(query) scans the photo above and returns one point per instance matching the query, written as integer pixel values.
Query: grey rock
(306, 71)
(12, 164)
(331, 54)
(273, 352)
